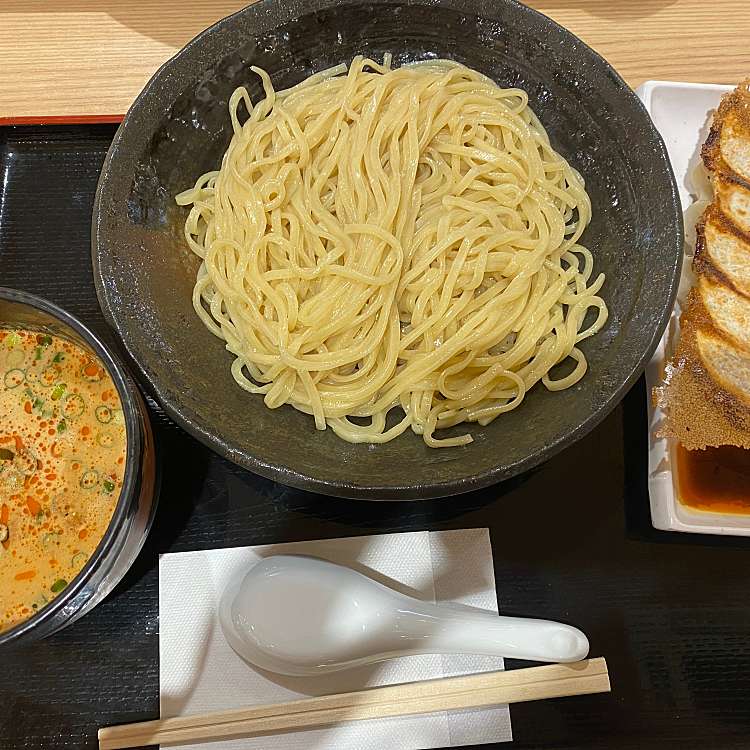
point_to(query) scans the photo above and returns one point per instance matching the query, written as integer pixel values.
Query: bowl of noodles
(387, 250)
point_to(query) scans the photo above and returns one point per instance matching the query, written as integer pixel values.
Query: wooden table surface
(85, 60)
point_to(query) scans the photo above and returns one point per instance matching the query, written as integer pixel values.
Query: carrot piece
(33, 505)
(83, 533)
(91, 369)
(27, 407)
(19, 442)
(4, 516)
(25, 575)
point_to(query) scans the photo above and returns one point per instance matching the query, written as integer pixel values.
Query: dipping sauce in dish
(715, 480)
(62, 461)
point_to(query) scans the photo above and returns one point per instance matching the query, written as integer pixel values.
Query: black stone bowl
(178, 128)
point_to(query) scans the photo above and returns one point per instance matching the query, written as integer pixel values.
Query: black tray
(572, 540)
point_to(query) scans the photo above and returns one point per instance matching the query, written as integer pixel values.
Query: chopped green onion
(58, 585)
(108, 486)
(58, 391)
(62, 426)
(103, 414)
(89, 479)
(13, 340)
(14, 378)
(37, 353)
(59, 357)
(104, 439)
(38, 404)
(79, 557)
(40, 516)
(74, 405)
(45, 340)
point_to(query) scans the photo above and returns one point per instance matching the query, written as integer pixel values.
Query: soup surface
(62, 460)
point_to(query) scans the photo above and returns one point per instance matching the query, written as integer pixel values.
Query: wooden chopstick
(473, 691)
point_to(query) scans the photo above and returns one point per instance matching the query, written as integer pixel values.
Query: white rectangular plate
(681, 113)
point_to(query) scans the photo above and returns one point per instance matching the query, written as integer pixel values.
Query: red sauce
(715, 479)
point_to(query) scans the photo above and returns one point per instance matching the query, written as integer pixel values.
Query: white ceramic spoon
(302, 616)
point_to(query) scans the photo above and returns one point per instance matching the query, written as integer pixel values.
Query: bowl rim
(299, 477)
(113, 540)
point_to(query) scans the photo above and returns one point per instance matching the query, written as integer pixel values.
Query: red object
(62, 120)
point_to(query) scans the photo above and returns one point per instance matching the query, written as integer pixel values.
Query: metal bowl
(135, 507)
(178, 128)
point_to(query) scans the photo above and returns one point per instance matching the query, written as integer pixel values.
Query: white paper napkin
(199, 672)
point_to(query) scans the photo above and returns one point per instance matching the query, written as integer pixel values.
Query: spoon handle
(446, 630)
